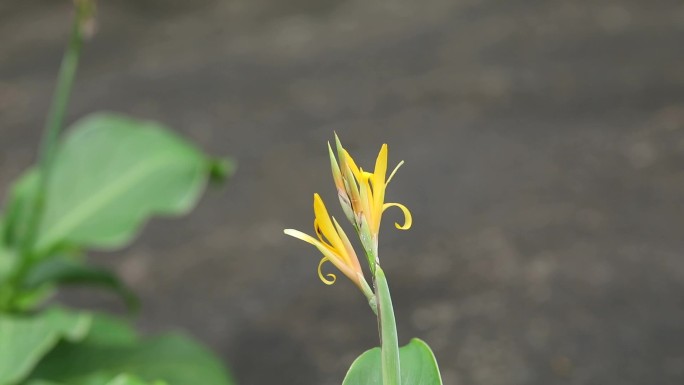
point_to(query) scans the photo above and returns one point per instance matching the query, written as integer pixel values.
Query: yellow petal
(303, 236)
(352, 165)
(351, 258)
(381, 165)
(325, 224)
(321, 246)
(328, 255)
(407, 215)
(327, 279)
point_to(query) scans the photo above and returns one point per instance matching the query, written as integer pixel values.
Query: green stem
(389, 342)
(53, 126)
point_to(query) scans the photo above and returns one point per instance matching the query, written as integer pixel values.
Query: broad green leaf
(110, 174)
(418, 366)
(68, 272)
(173, 358)
(24, 340)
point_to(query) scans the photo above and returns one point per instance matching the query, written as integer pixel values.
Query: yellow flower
(362, 194)
(335, 246)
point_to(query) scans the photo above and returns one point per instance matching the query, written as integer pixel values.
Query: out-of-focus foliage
(25, 339)
(113, 347)
(109, 175)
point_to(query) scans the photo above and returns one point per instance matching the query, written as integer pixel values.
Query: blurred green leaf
(8, 261)
(24, 340)
(67, 272)
(40, 382)
(125, 379)
(173, 358)
(418, 366)
(18, 208)
(108, 330)
(121, 379)
(26, 300)
(110, 174)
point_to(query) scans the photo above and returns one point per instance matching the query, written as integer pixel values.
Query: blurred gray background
(544, 149)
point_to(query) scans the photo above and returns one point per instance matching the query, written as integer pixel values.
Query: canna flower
(335, 246)
(362, 193)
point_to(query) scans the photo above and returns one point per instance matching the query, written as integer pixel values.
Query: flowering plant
(362, 197)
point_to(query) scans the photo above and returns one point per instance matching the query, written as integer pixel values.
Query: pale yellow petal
(351, 258)
(407, 215)
(327, 279)
(303, 236)
(393, 172)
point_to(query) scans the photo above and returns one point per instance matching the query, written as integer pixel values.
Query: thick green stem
(389, 342)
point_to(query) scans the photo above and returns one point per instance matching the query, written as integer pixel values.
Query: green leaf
(24, 340)
(110, 174)
(67, 272)
(107, 330)
(8, 262)
(41, 382)
(24, 301)
(172, 358)
(19, 207)
(121, 379)
(418, 366)
(125, 379)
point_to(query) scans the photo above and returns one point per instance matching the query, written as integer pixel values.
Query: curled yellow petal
(329, 278)
(408, 220)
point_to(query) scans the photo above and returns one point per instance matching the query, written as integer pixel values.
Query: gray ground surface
(544, 148)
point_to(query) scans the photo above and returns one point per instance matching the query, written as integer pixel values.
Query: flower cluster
(362, 197)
